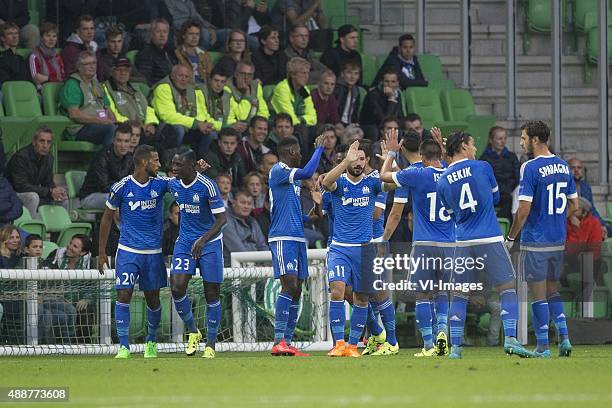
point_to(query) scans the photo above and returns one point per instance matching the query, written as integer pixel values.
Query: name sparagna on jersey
(459, 174)
(555, 168)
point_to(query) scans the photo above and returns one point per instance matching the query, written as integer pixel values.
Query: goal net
(45, 311)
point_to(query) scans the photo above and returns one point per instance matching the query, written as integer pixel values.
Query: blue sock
(387, 315)
(337, 319)
(358, 321)
(281, 316)
(457, 312)
(555, 305)
(372, 321)
(292, 322)
(213, 320)
(122, 321)
(432, 311)
(423, 318)
(183, 308)
(441, 308)
(153, 319)
(509, 311)
(540, 319)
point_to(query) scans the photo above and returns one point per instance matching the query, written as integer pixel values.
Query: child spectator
(254, 186)
(224, 182)
(347, 95)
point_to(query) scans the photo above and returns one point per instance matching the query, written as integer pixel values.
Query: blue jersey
(402, 193)
(353, 205)
(547, 183)
(469, 192)
(198, 202)
(141, 213)
(327, 209)
(378, 229)
(432, 223)
(285, 205)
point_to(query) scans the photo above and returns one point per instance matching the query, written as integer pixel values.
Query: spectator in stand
(382, 101)
(291, 96)
(584, 190)
(282, 128)
(346, 50)
(33, 248)
(347, 93)
(270, 63)
(403, 59)
(83, 99)
(217, 97)
(253, 184)
(413, 121)
(299, 37)
(171, 230)
(184, 10)
(17, 11)
(10, 204)
(506, 169)
(224, 181)
(30, 171)
(76, 255)
(10, 247)
(81, 40)
(584, 234)
(329, 148)
(236, 50)
(247, 99)
(252, 148)
(242, 232)
(325, 102)
(135, 138)
(268, 161)
(13, 67)
(246, 15)
(189, 54)
(115, 37)
(107, 168)
(179, 104)
(156, 59)
(350, 134)
(288, 13)
(46, 63)
(223, 157)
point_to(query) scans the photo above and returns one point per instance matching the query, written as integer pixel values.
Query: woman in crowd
(46, 63)
(236, 50)
(10, 247)
(329, 148)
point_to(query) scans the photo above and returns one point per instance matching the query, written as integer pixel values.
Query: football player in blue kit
(199, 244)
(468, 191)
(546, 190)
(139, 200)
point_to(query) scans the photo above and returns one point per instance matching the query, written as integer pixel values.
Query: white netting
(46, 311)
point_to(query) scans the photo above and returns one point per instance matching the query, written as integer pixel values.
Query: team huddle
(453, 204)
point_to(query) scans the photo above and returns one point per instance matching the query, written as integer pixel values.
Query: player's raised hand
(436, 134)
(393, 143)
(196, 249)
(202, 166)
(316, 196)
(351, 154)
(319, 140)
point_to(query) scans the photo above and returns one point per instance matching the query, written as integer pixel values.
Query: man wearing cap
(346, 50)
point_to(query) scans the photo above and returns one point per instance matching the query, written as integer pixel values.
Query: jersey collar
(138, 184)
(458, 161)
(548, 156)
(190, 184)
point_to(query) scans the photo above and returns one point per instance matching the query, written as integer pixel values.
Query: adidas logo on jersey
(365, 190)
(455, 318)
(176, 194)
(503, 312)
(154, 194)
(544, 327)
(196, 198)
(130, 194)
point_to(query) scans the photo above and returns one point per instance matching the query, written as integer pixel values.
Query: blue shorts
(352, 265)
(148, 269)
(490, 260)
(289, 258)
(210, 262)
(536, 266)
(430, 263)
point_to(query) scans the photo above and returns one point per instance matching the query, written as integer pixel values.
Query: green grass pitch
(485, 377)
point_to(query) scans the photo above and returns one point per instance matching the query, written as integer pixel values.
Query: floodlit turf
(485, 377)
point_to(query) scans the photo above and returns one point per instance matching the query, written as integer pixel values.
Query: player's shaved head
(183, 165)
(430, 150)
(188, 156)
(289, 151)
(142, 154)
(412, 141)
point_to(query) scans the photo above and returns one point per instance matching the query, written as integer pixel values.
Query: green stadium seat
(26, 223)
(362, 95)
(268, 90)
(426, 103)
(48, 248)
(609, 208)
(458, 105)
(440, 84)
(431, 66)
(131, 55)
(73, 229)
(369, 69)
(592, 43)
(56, 219)
(24, 52)
(538, 16)
(215, 56)
(581, 9)
(74, 181)
(504, 224)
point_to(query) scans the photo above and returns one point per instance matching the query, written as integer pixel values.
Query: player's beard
(355, 171)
